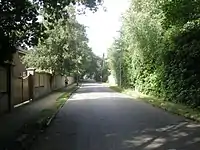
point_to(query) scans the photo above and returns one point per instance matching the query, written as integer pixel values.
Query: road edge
(54, 115)
(25, 140)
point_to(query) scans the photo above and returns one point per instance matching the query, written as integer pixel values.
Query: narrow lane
(97, 118)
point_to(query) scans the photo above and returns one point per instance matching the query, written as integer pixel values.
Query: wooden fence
(21, 90)
(36, 85)
(3, 90)
(30, 87)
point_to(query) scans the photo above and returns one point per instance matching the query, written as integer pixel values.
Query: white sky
(103, 26)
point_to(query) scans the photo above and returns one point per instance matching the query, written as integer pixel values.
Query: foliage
(19, 24)
(180, 12)
(65, 50)
(61, 50)
(160, 49)
(96, 68)
(181, 73)
(105, 71)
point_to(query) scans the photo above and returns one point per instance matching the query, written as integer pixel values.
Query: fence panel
(25, 89)
(17, 91)
(21, 90)
(3, 90)
(42, 84)
(3, 80)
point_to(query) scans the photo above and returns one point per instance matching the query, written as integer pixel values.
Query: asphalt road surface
(97, 118)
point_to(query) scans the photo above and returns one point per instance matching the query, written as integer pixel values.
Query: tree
(180, 12)
(19, 23)
(160, 44)
(64, 50)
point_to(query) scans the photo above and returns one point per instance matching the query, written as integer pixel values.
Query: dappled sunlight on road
(171, 137)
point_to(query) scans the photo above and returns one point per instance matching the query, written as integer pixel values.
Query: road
(97, 118)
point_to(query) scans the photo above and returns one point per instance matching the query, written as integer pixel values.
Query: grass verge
(179, 109)
(47, 113)
(32, 129)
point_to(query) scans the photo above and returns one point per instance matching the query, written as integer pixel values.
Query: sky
(102, 26)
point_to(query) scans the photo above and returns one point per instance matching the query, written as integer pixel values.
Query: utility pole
(76, 62)
(102, 69)
(120, 65)
(77, 70)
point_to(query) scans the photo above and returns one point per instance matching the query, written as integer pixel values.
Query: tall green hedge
(160, 46)
(181, 71)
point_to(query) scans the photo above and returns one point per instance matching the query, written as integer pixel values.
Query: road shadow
(146, 127)
(113, 122)
(180, 136)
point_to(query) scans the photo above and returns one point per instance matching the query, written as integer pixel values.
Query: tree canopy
(65, 50)
(19, 21)
(159, 46)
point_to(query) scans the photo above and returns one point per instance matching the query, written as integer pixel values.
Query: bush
(181, 73)
(160, 42)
